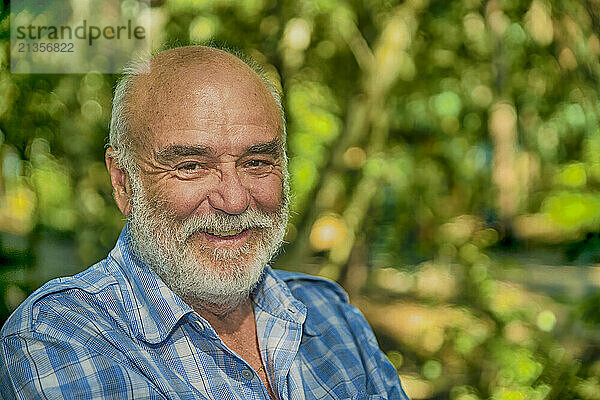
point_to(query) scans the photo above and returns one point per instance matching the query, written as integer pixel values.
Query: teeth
(225, 233)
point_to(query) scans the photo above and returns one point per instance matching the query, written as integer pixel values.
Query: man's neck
(237, 330)
(231, 321)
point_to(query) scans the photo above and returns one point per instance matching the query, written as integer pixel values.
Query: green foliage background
(445, 167)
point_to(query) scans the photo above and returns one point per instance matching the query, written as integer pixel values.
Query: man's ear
(120, 183)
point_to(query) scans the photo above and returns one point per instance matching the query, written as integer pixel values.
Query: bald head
(166, 89)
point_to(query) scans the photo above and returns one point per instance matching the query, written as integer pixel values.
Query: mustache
(249, 219)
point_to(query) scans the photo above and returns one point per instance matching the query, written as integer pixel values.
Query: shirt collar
(273, 296)
(154, 310)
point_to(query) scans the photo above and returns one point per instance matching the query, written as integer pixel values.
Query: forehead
(222, 104)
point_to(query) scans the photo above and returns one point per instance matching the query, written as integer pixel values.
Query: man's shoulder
(302, 285)
(60, 297)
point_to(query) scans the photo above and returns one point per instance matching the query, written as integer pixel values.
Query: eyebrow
(272, 148)
(176, 151)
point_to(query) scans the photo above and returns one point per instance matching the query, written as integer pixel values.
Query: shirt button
(200, 325)
(247, 374)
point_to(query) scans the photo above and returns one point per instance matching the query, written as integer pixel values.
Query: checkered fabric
(116, 331)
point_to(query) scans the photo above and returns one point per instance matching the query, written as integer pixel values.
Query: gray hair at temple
(119, 138)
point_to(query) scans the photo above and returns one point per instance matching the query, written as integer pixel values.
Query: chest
(193, 363)
(244, 345)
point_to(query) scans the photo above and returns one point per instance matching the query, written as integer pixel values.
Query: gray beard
(214, 279)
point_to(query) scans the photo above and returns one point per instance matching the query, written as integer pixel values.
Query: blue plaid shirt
(116, 331)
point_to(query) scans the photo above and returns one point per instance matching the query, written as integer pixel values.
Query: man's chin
(221, 285)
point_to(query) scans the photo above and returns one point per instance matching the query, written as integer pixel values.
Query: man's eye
(258, 167)
(190, 167)
(257, 163)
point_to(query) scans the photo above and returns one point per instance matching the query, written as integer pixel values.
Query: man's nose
(230, 195)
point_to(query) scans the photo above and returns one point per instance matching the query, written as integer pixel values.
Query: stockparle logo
(77, 36)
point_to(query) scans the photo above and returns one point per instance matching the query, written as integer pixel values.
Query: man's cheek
(184, 201)
(268, 193)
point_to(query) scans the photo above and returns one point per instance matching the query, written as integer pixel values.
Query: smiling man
(185, 306)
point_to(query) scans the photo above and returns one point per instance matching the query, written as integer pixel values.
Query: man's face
(208, 206)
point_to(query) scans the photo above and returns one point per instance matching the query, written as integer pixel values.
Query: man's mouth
(234, 237)
(225, 234)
